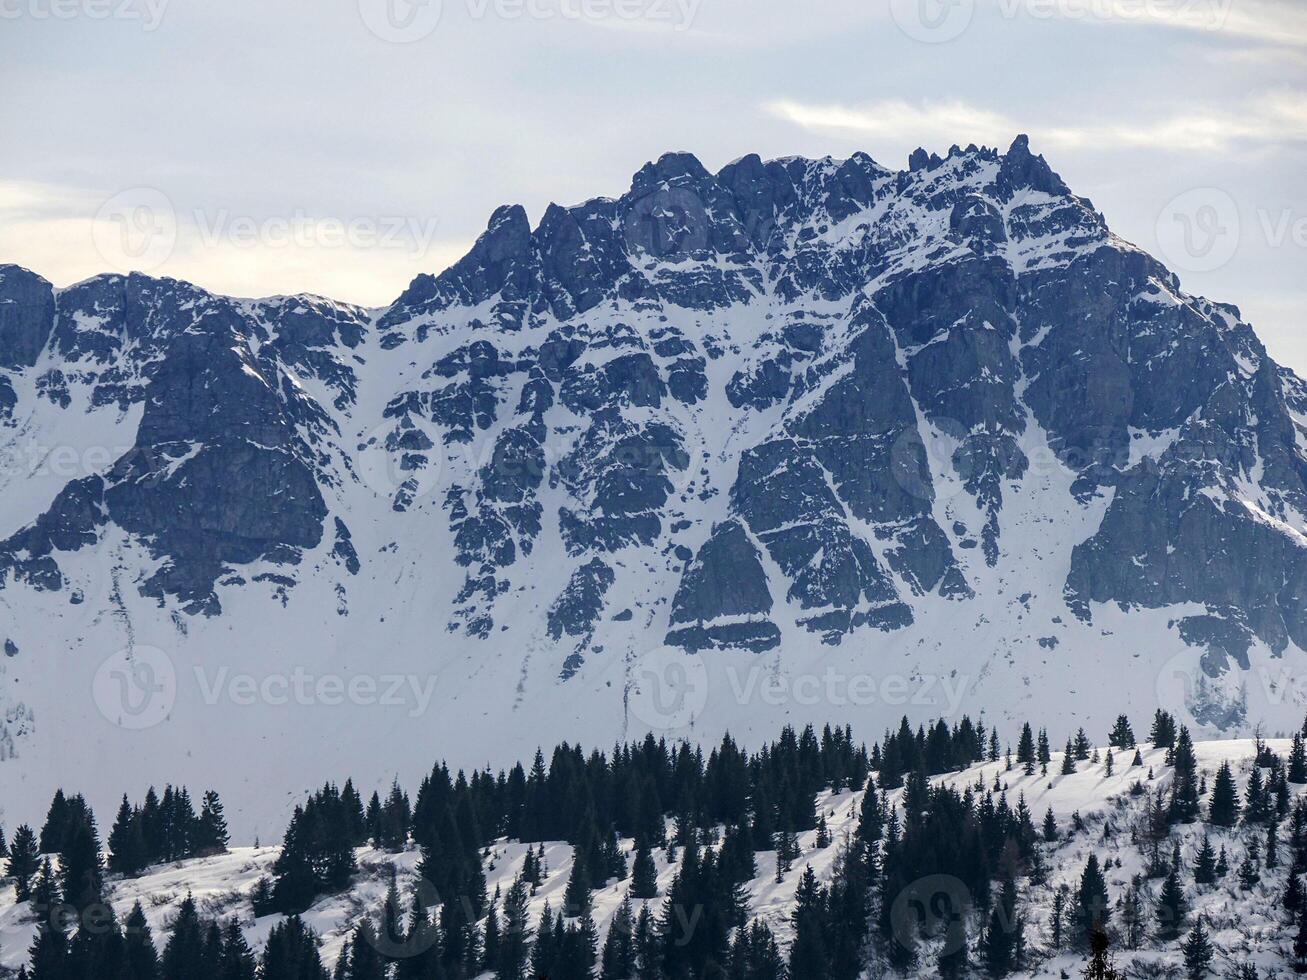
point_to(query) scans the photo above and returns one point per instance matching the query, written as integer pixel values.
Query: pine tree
(1300, 942)
(236, 961)
(186, 954)
(1100, 964)
(808, 959)
(127, 855)
(140, 959)
(644, 874)
(1091, 900)
(1003, 935)
(1122, 736)
(1293, 897)
(1050, 826)
(1171, 905)
(1248, 874)
(1198, 952)
(49, 953)
(1162, 734)
(1132, 917)
(1057, 919)
(1184, 787)
(647, 940)
(1068, 759)
(823, 835)
(1205, 864)
(1297, 772)
(1107, 770)
(23, 862)
(81, 868)
(1222, 865)
(211, 829)
(1026, 749)
(291, 953)
(577, 897)
(1224, 809)
(618, 959)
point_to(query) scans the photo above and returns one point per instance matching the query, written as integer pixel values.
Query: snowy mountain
(1247, 925)
(807, 439)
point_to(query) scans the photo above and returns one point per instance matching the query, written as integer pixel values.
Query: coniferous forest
(931, 866)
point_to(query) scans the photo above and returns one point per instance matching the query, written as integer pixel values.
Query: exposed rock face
(790, 398)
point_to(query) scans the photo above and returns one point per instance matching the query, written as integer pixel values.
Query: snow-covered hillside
(799, 441)
(1248, 926)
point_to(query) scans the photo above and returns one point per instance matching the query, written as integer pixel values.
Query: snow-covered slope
(1247, 926)
(802, 440)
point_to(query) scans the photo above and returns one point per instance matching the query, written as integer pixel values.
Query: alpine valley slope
(804, 440)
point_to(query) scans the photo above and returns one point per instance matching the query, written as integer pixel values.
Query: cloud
(1280, 22)
(1272, 118)
(69, 234)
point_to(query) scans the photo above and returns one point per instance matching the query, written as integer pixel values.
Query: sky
(341, 147)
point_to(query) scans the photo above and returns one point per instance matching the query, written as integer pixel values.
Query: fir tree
(1293, 896)
(211, 829)
(1003, 936)
(1050, 826)
(126, 842)
(23, 862)
(1162, 734)
(236, 962)
(808, 954)
(291, 953)
(186, 953)
(577, 896)
(644, 874)
(1297, 772)
(1198, 952)
(1248, 874)
(618, 959)
(1026, 749)
(140, 959)
(1122, 736)
(1224, 809)
(1171, 905)
(1184, 787)
(1100, 964)
(1091, 900)
(1205, 864)
(1132, 917)
(1068, 759)
(81, 868)
(1300, 942)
